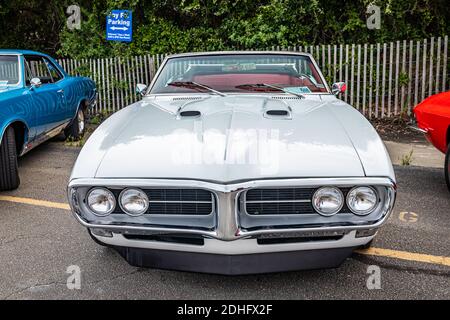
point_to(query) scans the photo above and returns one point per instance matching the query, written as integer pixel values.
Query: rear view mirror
(35, 83)
(338, 88)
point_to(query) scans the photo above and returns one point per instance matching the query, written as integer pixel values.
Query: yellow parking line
(34, 202)
(405, 255)
(388, 253)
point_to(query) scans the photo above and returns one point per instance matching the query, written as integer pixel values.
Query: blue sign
(119, 26)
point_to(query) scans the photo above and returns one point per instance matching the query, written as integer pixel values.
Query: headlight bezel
(334, 212)
(365, 212)
(147, 200)
(95, 212)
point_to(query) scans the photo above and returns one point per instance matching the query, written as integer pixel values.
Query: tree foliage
(163, 26)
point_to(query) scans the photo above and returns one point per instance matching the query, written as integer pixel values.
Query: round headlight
(362, 200)
(101, 201)
(328, 201)
(134, 202)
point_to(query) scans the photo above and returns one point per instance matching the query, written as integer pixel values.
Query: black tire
(447, 167)
(95, 239)
(9, 171)
(76, 128)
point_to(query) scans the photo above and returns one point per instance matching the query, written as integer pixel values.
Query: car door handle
(60, 91)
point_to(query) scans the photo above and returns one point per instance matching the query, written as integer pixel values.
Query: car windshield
(9, 70)
(240, 73)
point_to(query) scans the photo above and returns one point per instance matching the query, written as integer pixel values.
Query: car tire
(9, 171)
(447, 167)
(76, 128)
(95, 239)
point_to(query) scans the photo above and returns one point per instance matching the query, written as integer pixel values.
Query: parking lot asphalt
(39, 241)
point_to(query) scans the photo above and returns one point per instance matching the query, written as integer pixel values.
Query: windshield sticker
(297, 90)
(239, 67)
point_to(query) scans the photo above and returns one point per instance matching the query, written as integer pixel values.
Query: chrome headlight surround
(138, 195)
(330, 192)
(107, 196)
(362, 189)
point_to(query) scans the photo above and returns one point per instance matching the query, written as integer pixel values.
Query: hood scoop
(190, 114)
(277, 109)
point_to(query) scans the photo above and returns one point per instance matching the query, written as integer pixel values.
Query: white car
(234, 163)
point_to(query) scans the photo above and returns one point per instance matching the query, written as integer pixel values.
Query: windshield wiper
(257, 86)
(195, 86)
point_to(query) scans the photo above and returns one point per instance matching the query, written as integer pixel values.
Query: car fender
(8, 123)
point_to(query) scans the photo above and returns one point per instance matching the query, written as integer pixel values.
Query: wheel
(9, 171)
(447, 167)
(95, 239)
(76, 128)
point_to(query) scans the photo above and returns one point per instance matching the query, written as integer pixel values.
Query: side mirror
(338, 88)
(141, 88)
(35, 83)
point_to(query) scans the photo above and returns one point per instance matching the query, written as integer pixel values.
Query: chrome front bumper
(228, 247)
(228, 218)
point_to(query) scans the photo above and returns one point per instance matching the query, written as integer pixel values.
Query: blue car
(38, 100)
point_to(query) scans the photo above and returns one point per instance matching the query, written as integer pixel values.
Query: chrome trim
(228, 228)
(277, 201)
(241, 246)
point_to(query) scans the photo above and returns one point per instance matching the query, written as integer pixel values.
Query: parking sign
(119, 26)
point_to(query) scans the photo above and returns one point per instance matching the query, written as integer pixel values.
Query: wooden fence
(383, 80)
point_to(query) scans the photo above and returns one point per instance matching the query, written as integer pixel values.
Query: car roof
(21, 52)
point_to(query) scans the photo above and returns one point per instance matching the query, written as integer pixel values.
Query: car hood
(225, 139)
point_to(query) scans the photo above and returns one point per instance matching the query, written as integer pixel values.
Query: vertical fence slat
(334, 62)
(410, 80)
(352, 73)
(424, 68)
(444, 65)
(329, 62)
(341, 53)
(430, 79)
(416, 78)
(370, 81)
(364, 79)
(346, 71)
(402, 85)
(358, 78)
(377, 89)
(383, 80)
(391, 62)
(397, 63)
(438, 64)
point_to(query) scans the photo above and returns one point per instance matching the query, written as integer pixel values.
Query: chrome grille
(279, 201)
(178, 201)
(282, 201)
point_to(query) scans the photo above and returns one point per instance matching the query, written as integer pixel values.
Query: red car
(433, 119)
